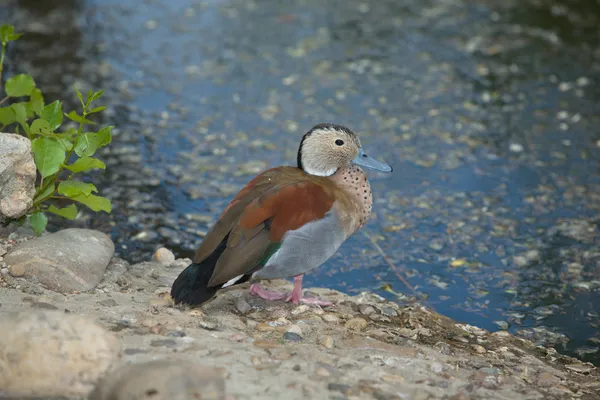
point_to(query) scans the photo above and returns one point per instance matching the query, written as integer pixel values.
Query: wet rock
(163, 256)
(17, 176)
(52, 354)
(65, 261)
(162, 380)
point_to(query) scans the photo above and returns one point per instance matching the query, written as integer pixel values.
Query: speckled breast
(354, 182)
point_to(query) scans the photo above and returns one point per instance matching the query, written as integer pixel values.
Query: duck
(286, 221)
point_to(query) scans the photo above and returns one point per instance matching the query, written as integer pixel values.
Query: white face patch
(232, 281)
(316, 172)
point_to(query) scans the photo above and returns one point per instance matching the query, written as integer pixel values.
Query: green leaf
(67, 144)
(53, 114)
(7, 34)
(19, 85)
(73, 188)
(48, 154)
(36, 102)
(7, 116)
(97, 109)
(96, 203)
(40, 127)
(86, 164)
(69, 212)
(20, 112)
(79, 96)
(73, 116)
(47, 189)
(87, 144)
(38, 222)
(97, 95)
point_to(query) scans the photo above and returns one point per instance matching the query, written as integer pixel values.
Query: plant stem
(2, 62)
(6, 98)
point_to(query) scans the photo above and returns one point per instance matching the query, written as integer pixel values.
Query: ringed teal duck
(286, 221)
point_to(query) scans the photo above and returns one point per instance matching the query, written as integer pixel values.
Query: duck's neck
(354, 182)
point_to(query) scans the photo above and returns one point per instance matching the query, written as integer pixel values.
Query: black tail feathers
(191, 286)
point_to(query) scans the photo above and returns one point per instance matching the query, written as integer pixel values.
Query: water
(488, 114)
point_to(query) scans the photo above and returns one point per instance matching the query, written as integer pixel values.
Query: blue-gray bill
(364, 160)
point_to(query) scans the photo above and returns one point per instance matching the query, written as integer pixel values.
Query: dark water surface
(488, 111)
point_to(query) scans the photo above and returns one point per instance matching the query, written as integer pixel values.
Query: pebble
(366, 309)
(292, 337)
(75, 352)
(242, 306)
(357, 324)
(17, 270)
(300, 309)
(326, 341)
(294, 329)
(162, 380)
(323, 372)
(163, 256)
(479, 349)
(331, 318)
(389, 311)
(108, 303)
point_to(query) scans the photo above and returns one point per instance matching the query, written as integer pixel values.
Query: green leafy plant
(59, 155)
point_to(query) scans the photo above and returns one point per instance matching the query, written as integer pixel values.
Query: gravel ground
(487, 112)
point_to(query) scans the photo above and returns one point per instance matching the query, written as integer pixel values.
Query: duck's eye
(339, 142)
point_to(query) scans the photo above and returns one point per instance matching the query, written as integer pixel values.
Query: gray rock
(17, 175)
(162, 380)
(65, 261)
(46, 353)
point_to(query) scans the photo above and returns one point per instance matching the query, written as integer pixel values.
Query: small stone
(300, 309)
(366, 309)
(108, 303)
(326, 341)
(357, 324)
(279, 354)
(338, 387)
(163, 256)
(61, 355)
(479, 349)
(242, 306)
(162, 380)
(389, 312)
(176, 333)
(294, 329)
(17, 270)
(208, 325)
(331, 318)
(323, 372)
(292, 337)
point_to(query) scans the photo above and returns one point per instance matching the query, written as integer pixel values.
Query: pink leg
(296, 295)
(257, 290)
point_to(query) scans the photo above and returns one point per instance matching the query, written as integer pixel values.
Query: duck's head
(327, 147)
